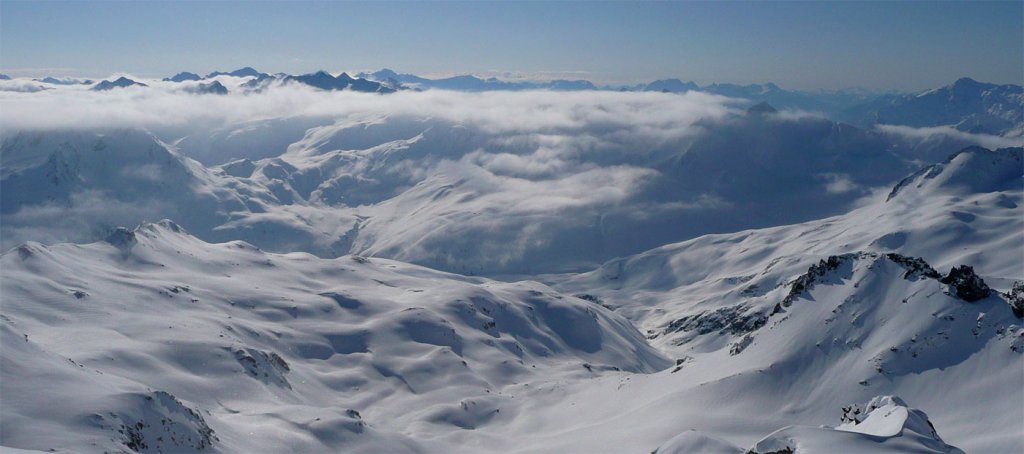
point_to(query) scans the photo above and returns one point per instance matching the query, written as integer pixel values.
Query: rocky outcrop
(1015, 297)
(967, 285)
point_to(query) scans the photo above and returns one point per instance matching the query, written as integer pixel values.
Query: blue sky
(807, 45)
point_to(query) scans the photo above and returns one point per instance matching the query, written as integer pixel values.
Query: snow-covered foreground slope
(885, 424)
(155, 338)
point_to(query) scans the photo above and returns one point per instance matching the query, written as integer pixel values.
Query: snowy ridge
(970, 170)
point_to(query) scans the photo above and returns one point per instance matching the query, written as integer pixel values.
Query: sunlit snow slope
(106, 342)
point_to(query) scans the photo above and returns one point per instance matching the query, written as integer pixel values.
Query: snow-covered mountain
(967, 104)
(826, 313)
(155, 340)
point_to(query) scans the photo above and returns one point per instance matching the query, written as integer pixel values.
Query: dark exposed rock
(813, 274)
(732, 320)
(264, 366)
(914, 266)
(178, 429)
(967, 285)
(1015, 297)
(121, 82)
(122, 238)
(212, 88)
(740, 345)
(595, 300)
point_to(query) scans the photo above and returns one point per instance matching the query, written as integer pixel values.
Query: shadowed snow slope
(336, 354)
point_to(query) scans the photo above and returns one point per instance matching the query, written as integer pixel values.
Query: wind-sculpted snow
(322, 354)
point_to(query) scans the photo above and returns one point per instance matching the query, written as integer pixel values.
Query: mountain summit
(121, 82)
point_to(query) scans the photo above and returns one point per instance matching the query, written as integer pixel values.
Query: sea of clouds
(491, 182)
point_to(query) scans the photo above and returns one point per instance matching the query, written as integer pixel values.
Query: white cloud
(164, 105)
(838, 183)
(949, 132)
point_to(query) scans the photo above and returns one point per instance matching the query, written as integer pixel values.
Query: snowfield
(321, 354)
(502, 272)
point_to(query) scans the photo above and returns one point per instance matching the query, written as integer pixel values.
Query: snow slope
(153, 333)
(807, 318)
(885, 424)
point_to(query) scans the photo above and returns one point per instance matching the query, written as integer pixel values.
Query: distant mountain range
(967, 105)
(56, 81)
(473, 83)
(247, 71)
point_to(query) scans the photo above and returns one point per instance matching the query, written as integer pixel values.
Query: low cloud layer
(168, 105)
(494, 182)
(936, 133)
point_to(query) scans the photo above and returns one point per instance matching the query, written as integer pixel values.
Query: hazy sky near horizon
(806, 45)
